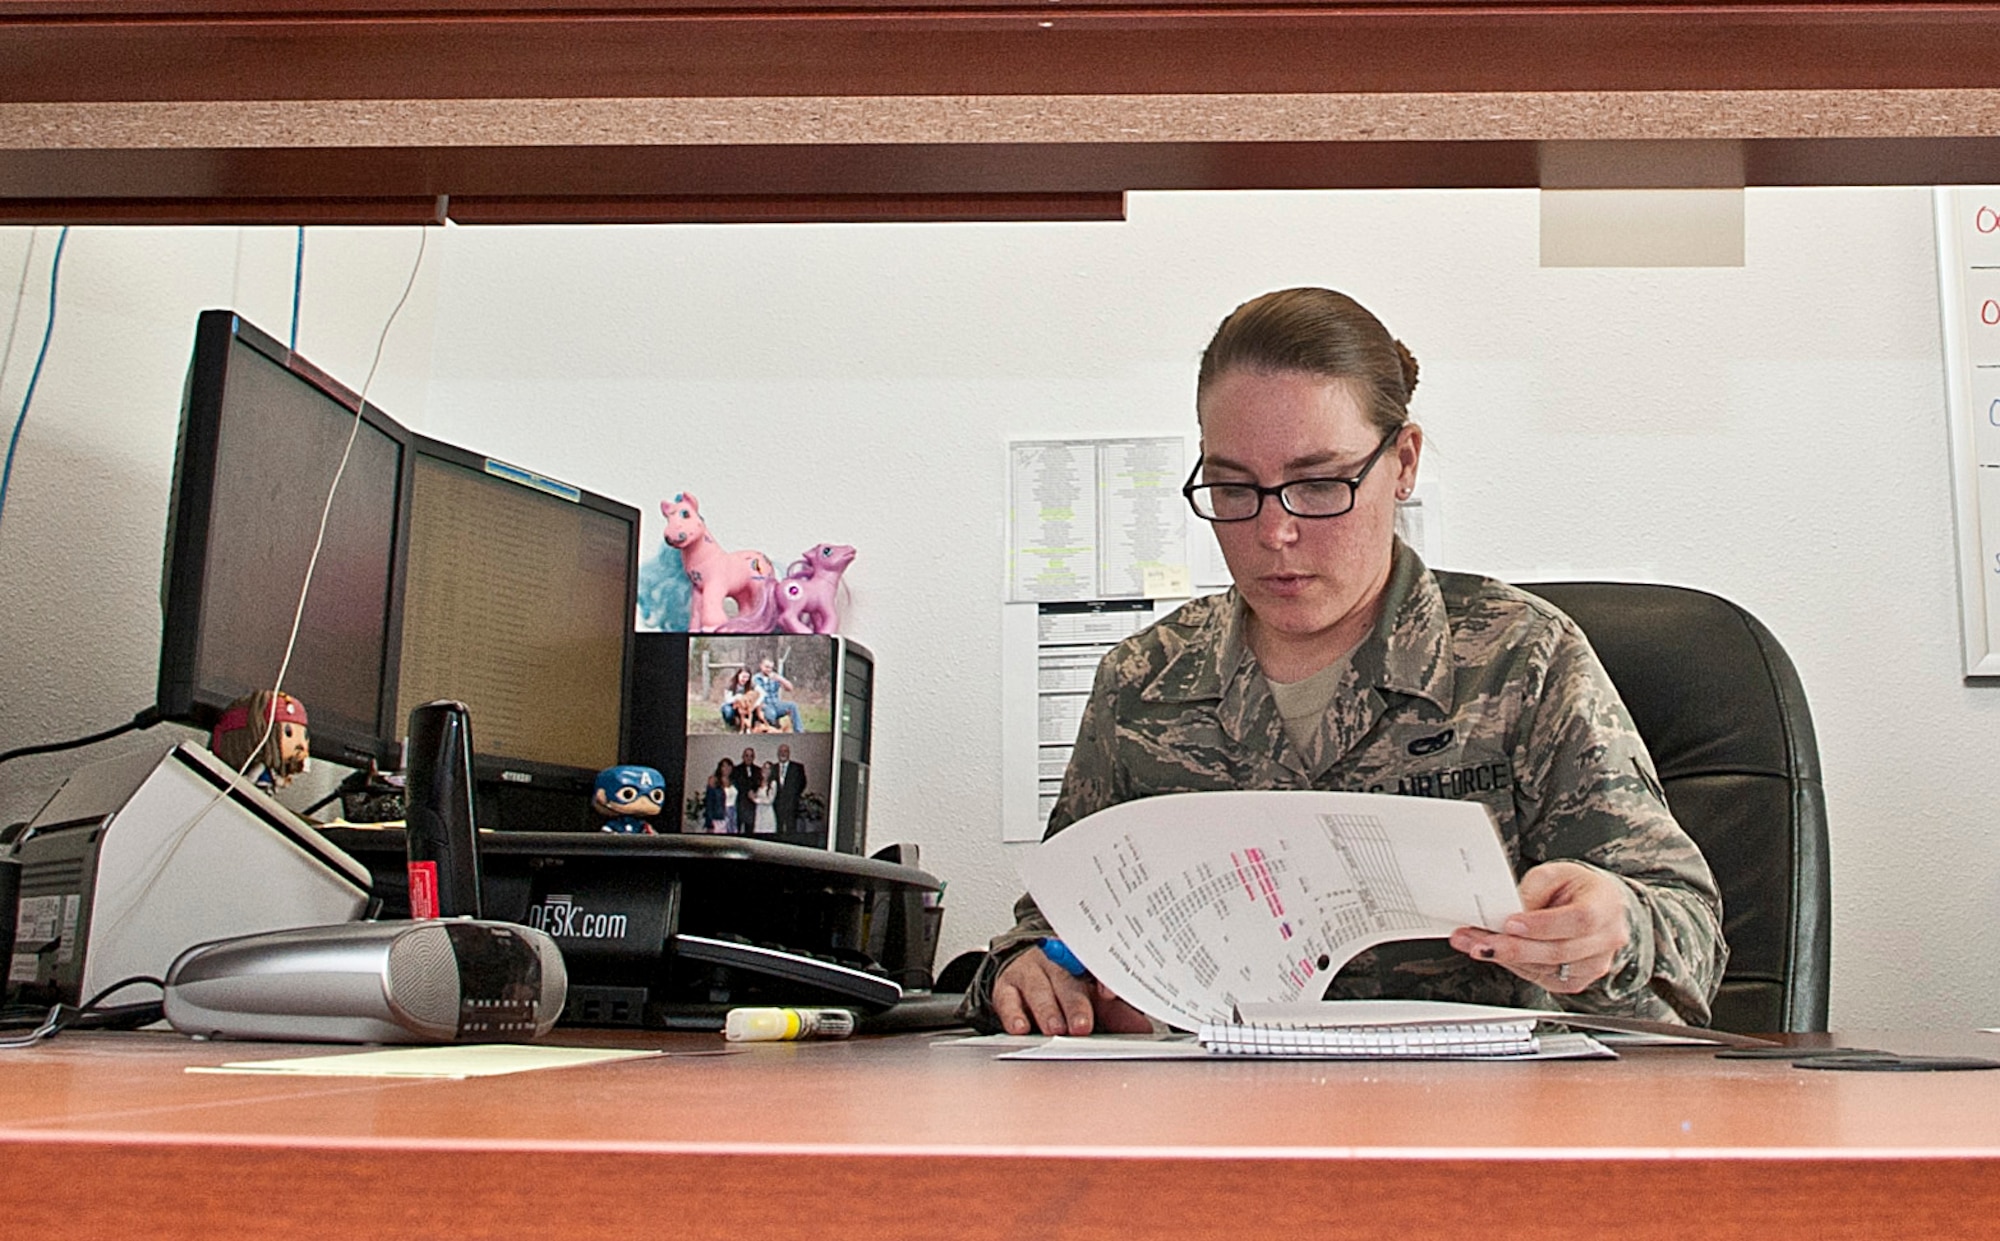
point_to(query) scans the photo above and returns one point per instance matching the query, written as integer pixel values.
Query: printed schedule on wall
(1968, 247)
(1096, 519)
(1097, 549)
(1049, 654)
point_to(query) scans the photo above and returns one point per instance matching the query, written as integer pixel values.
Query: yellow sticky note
(1167, 581)
(449, 1060)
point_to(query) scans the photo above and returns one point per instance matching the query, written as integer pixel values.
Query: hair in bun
(1320, 332)
(1409, 361)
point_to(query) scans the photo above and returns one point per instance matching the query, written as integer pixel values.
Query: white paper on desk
(991, 1042)
(1113, 1047)
(448, 1061)
(1571, 1046)
(1190, 904)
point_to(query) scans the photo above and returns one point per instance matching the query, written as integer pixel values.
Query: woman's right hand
(1034, 993)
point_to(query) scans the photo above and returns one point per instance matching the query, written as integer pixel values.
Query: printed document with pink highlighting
(1190, 904)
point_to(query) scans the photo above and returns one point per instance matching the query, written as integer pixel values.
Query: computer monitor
(518, 601)
(262, 433)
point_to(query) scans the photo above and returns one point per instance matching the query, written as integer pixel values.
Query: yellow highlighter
(764, 1025)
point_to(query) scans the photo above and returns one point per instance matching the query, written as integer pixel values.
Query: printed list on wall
(1096, 519)
(1097, 539)
(1968, 248)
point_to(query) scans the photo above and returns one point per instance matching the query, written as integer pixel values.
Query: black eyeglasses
(1301, 497)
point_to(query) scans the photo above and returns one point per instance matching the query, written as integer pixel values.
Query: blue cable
(298, 282)
(34, 376)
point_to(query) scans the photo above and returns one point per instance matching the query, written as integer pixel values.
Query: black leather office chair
(1720, 706)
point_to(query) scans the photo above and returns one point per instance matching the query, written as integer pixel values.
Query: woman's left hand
(1568, 935)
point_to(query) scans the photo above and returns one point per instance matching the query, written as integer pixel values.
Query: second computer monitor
(518, 602)
(263, 437)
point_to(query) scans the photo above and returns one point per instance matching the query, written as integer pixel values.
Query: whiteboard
(1968, 249)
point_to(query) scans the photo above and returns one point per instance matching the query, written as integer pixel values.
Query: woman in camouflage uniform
(1339, 661)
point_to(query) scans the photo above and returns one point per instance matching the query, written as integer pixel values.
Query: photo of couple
(759, 683)
(759, 702)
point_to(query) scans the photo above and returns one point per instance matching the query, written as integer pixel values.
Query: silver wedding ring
(1562, 972)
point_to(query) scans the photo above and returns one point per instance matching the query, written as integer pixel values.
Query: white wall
(1773, 433)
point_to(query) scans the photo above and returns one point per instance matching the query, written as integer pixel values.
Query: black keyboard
(845, 981)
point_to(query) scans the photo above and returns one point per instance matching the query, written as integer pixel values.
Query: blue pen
(1057, 951)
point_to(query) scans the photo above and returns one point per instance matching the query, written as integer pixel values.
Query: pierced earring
(1402, 493)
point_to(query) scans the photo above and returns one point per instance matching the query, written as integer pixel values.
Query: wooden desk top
(893, 1137)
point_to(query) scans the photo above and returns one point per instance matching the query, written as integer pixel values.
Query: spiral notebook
(1484, 1039)
(1548, 1046)
(1396, 1030)
(1380, 1030)
(1412, 1029)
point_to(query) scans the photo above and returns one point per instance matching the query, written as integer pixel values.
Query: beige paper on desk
(1190, 904)
(445, 1061)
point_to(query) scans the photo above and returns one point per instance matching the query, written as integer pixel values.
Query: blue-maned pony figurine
(715, 574)
(665, 594)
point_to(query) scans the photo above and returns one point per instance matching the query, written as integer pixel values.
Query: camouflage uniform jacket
(1467, 688)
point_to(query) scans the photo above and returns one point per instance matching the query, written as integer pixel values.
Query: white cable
(173, 841)
(326, 511)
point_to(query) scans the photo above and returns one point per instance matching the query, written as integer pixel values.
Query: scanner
(670, 932)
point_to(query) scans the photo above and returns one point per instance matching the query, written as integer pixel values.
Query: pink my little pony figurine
(715, 574)
(804, 601)
(805, 597)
